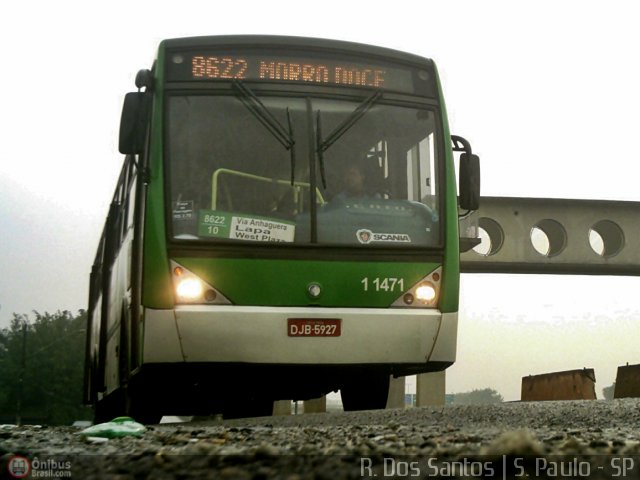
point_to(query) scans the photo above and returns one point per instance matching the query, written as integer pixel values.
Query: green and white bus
(285, 225)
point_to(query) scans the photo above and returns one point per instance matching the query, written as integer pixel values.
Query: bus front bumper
(261, 335)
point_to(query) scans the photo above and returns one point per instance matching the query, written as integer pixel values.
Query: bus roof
(293, 43)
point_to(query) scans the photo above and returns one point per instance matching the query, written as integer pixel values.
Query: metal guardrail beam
(556, 236)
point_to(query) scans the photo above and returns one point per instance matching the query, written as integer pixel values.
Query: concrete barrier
(316, 405)
(281, 407)
(569, 385)
(396, 393)
(430, 388)
(627, 382)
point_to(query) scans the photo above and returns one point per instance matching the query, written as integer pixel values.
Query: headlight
(424, 294)
(191, 289)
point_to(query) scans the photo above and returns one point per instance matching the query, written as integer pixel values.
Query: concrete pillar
(396, 393)
(316, 405)
(430, 388)
(282, 407)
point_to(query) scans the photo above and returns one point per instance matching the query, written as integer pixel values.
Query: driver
(354, 184)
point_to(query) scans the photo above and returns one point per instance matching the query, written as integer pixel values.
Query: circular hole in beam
(548, 237)
(491, 237)
(596, 242)
(484, 247)
(606, 238)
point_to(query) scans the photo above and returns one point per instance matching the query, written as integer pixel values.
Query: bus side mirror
(133, 123)
(469, 182)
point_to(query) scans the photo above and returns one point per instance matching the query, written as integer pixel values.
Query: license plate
(313, 327)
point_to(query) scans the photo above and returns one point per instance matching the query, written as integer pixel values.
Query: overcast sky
(547, 92)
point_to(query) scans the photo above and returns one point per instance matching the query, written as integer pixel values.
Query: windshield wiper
(291, 148)
(270, 122)
(323, 145)
(319, 150)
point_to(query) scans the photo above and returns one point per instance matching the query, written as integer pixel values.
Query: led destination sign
(338, 71)
(277, 69)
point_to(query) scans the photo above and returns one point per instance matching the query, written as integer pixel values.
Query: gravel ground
(595, 439)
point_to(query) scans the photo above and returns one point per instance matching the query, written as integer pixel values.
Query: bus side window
(129, 199)
(95, 287)
(130, 203)
(116, 221)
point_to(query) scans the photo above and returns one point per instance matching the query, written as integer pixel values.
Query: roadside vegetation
(41, 369)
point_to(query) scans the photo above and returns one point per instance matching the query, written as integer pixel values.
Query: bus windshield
(370, 168)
